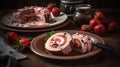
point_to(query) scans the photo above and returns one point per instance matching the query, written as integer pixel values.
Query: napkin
(8, 54)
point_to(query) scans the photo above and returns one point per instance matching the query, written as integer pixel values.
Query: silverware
(102, 46)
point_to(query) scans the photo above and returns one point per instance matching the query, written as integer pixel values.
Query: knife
(102, 46)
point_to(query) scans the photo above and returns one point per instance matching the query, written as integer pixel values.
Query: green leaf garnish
(49, 34)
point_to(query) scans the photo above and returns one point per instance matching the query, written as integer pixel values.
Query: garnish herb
(49, 34)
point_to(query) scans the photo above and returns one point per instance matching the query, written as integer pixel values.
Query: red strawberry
(99, 15)
(50, 6)
(12, 37)
(87, 28)
(25, 42)
(93, 22)
(113, 27)
(99, 29)
(105, 22)
(55, 12)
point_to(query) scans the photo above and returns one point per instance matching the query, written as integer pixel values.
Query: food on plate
(50, 6)
(33, 16)
(82, 42)
(63, 43)
(49, 34)
(59, 43)
(55, 11)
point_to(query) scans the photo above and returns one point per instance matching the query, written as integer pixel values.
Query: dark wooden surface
(103, 59)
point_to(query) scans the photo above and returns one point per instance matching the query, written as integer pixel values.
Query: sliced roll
(82, 42)
(78, 42)
(59, 43)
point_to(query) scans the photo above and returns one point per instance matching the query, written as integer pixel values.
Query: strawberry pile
(54, 10)
(100, 25)
(18, 43)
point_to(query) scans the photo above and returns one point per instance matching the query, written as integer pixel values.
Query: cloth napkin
(8, 55)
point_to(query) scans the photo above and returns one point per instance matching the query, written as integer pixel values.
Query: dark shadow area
(105, 4)
(15, 4)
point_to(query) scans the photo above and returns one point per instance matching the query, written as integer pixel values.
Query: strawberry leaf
(18, 46)
(86, 26)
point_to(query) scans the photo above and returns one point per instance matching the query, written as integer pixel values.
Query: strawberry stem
(18, 46)
(86, 26)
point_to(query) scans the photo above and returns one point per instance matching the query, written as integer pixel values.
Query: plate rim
(32, 27)
(36, 30)
(68, 57)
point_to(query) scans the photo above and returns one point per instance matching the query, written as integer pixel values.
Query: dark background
(14, 4)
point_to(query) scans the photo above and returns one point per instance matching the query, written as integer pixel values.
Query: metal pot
(83, 14)
(68, 6)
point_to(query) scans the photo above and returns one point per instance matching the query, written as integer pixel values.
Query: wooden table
(103, 59)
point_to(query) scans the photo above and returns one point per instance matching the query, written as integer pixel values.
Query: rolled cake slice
(82, 42)
(32, 13)
(59, 43)
(78, 42)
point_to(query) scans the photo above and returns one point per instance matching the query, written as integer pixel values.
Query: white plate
(7, 20)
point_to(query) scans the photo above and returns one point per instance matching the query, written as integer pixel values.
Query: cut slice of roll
(82, 42)
(59, 43)
(79, 43)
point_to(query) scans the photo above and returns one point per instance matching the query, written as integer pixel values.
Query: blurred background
(15, 4)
